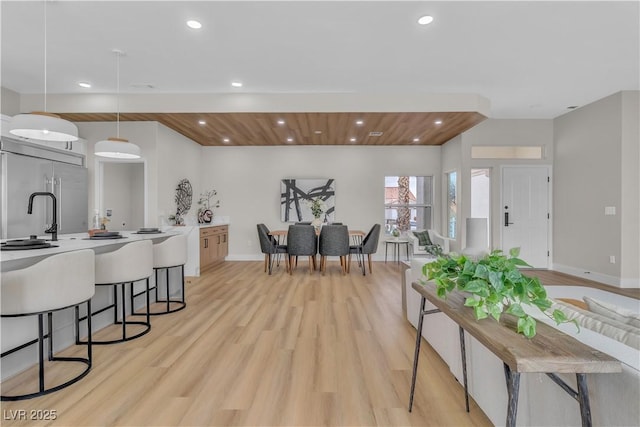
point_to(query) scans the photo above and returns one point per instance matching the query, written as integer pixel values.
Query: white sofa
(435, 238)
(614, 397)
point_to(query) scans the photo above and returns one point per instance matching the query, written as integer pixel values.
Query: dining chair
(270, 247)
(302, 241)
(334, 241)
(368, 246)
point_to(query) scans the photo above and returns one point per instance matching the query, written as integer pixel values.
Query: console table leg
(583, 399)
(464, 368)
(513, 387)
(417, 352)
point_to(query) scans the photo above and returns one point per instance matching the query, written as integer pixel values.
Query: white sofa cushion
(626, 334)
(614, 312)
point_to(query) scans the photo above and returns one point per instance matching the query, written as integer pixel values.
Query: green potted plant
(495, 285)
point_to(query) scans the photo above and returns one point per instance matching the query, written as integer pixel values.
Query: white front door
(525, 213)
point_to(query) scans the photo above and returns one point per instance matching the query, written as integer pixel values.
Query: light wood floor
(252, 349)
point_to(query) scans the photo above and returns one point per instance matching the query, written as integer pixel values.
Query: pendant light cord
(118, 94)
(45, 56)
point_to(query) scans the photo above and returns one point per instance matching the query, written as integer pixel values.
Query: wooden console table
(551, 351)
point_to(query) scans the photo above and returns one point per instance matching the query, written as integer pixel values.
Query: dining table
(356, 237)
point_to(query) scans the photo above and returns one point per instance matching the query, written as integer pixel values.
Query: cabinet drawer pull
(206, 243)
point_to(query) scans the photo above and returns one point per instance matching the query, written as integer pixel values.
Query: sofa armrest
(437, 239)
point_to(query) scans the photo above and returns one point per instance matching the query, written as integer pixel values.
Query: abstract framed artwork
(296, 196)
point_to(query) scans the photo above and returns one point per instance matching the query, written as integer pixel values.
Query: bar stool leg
(41, 352)
(124, 311)
(89, 342)
(182, 277)
(50, 334)
(149, 299)
(167, 283)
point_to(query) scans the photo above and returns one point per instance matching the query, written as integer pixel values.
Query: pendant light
(116, 147)
(40, 124)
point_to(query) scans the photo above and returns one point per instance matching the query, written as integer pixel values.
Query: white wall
(493, 132)
(248, 183)
(630, 190)
(452, 162)
(124, 195)
(588, 178)
(143, 134)
(178, 157)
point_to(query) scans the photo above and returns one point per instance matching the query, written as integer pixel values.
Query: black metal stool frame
(40, 341)
(181, 302)
(124, 321)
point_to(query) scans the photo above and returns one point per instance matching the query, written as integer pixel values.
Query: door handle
(206, 243)
(506, 219)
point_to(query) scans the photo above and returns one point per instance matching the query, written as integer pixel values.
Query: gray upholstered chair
(303, 223)
(334, 241)
(269, 247)
(302, 241)
(368, 246)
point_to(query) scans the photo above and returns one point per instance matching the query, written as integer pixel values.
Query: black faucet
(54, 225)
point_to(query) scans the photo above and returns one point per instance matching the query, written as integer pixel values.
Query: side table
(395, 243)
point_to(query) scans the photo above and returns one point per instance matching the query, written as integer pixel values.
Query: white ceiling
(530, 59)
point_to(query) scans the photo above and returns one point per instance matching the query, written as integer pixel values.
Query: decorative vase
(317, 222)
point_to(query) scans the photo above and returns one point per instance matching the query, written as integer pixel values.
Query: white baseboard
(598, 277)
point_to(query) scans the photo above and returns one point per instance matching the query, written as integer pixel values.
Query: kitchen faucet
(54, 226)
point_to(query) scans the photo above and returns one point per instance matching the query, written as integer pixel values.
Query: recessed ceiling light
(84, 84)
(236, 84)
(352, 139)
(194, 24)
(280, 122)
(359, 122)
(425, 20)
(289, 139)
(202, 122)
(225, 140)
(317, 132)
(438, 122)
(416, 139)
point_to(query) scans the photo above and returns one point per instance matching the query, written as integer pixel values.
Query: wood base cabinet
(214, 245)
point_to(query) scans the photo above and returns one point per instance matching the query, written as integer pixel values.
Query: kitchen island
(17, 331)
(17, 259)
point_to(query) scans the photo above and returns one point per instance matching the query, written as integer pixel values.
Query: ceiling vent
(375, 133)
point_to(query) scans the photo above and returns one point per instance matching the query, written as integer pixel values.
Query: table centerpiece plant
(495, 284)
(317, 208)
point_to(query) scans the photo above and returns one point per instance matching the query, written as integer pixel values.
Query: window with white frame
(452, 204)
(407, 203)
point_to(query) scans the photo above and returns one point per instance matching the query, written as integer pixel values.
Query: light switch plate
(609, 210)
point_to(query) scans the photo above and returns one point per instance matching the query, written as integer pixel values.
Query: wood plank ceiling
(264, 129)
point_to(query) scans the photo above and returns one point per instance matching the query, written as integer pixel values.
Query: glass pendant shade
(43, 126)
(117, 148)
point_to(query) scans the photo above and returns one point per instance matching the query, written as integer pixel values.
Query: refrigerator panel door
(73, 199)
(21, 176)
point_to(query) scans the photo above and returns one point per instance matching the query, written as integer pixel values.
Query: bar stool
(168, 254)
(56, 283)
(131, 263)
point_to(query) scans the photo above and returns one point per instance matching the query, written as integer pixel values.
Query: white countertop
(13, 260)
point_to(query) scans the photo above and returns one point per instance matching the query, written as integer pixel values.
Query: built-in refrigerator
(26, 168)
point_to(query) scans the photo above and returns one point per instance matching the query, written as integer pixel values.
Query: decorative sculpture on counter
(183, 198)
(205, 212)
